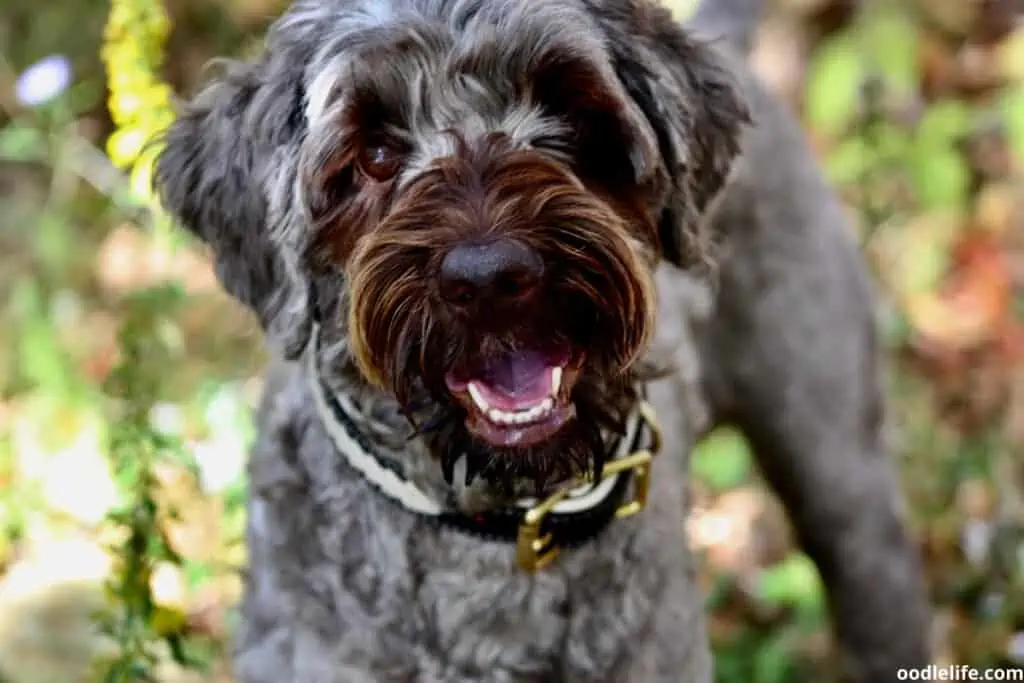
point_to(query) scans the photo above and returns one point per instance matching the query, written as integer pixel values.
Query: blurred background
(126, 377)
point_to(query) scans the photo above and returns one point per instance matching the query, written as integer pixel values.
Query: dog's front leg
(791, 358)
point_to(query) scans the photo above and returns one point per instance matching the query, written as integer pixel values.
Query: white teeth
(556, 380)
(478, 398)
(521, 416)
(517, 417)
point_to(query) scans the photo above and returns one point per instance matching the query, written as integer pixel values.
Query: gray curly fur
(341, 585)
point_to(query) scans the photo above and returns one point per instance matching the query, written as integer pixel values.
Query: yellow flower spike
(142, 175)
(124, 146)
(140, 102)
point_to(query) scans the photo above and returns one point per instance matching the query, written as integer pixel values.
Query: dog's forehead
(452, 68)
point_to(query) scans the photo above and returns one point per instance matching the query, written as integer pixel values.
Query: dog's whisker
(471, 472)
(448, 463)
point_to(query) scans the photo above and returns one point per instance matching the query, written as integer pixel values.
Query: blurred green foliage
(135, 621)
(126, 376)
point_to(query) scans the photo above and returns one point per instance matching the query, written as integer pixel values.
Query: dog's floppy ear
(690, 99)
(226, 173)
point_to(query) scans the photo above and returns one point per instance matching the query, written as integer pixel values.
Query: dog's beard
(524, 390)
(598, 393)
(579, 448)
(598, 396)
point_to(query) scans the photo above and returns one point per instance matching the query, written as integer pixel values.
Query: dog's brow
(523, 125)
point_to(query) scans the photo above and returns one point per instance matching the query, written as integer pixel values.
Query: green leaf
(944, 123)
(722, 459)
(849, 161)
(794, 582)
(939, 170)
(773, 661)
(23, 143)
(836, 74)
(1012, 106)
(941, 178)
(54, 242)
(42, 361)
(890, 40)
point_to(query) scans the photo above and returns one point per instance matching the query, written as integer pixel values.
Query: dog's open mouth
(517, 399)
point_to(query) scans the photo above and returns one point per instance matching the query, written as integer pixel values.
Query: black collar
(571, 517)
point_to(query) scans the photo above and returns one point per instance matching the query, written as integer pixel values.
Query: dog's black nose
(493, 272)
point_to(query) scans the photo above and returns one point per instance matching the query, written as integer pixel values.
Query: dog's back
(731, 21)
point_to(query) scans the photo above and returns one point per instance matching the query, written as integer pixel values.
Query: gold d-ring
(535, 550)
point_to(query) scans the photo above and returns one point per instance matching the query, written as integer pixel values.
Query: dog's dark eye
(380, 161)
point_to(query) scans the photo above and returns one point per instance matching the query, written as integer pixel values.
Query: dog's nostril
(458, 292)
(498, 270)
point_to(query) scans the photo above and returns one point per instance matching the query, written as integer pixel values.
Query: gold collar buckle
(535, 551)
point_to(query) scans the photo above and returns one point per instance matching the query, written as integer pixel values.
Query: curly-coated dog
(477, 234)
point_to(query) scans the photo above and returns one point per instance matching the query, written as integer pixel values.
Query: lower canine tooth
(478, 398)
(556, 380)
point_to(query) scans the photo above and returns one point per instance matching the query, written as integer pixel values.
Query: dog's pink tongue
(516, 381)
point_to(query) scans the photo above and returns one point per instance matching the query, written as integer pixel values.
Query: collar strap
(570, 517)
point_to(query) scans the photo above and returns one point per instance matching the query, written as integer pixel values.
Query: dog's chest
(344, 586)
(473, 617)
